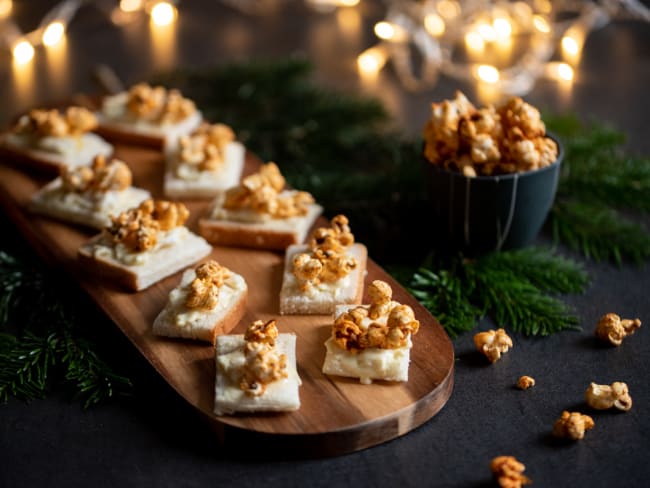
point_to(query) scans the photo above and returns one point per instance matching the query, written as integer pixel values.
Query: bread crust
(256, 235)
(141, 277)
(223, 325)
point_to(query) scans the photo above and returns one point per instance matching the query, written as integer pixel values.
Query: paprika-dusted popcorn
(487, 141)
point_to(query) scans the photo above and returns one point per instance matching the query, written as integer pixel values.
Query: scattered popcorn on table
(493, 343)
(525, 382)
(487, 141)
(603, 397)
(508, 472)
(572, 425)
(611, 328)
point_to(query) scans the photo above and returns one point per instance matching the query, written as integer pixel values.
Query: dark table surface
(155, 439)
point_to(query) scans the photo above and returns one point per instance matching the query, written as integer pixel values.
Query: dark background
(155, 439)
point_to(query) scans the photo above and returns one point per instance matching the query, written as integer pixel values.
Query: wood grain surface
(337, 415)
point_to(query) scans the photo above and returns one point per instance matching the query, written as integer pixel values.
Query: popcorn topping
(611, 328)
(100, 177)
(137, 228)
(508, 472)
(525, 382)
(327, 260)
(261, 193)
(43, 123)
(349, 334)
(204, 289)
(205, 147)
(158, 104)
(493, 343)
(488, 140)
(572, 425)
(263, 363)
(603, 397)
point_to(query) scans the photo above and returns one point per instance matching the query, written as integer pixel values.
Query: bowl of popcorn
(492, 173)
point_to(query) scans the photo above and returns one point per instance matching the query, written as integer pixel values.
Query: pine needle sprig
(510, 287)
(444, 295)
(600, 188)
(42, 343)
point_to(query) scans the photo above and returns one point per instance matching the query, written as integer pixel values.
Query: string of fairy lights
(55, 23)
(507, 45)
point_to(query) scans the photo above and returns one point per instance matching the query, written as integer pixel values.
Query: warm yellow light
(130, 5)
(543, 6)
(53, 34)
(448, 9)
(570, 45)
(474, 42)
(163, 13)
(560, 71)
(371, 60)
(487, 73)
(384, 30)
(502, 27)
(5, 8)
(486, 32)
(390, 32)
(541, 24)
(565, 72)
(23, 52)
(434, 25)
(523, 11)
(348, 3)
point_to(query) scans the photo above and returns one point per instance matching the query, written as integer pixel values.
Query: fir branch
(599, 232)
(599, 182)
(443, 294)
(42, 342)
(511, 287)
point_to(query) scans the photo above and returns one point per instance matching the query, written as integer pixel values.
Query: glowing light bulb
(130, 5)
(565, 72)
(570, 45)
(390, 32)
(487, 73)
(5, 8)
(163, 14)
(502, 27)
(23, 52)
(474, 42)
(448, 9)
(434, 25)
(541, 24)
(53, 34)
(371, 60)
(486, 31)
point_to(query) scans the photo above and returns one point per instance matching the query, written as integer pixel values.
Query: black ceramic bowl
(482, 214)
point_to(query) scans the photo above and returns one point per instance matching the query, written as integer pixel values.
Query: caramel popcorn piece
(205, 148)
(603, 397)
(137, 228)
(611, 328)
(158, 104)
(572, 425)
(381, 295)
(327, 261)
(508, 472)
(487, 140)
(100, 177)
(348, 333)
(44, 123)
(263, 364)
(261, 193)
(525, 382)
(493, 343)
(204, 289)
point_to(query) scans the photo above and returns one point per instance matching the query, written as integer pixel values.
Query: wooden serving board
(337, 415)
